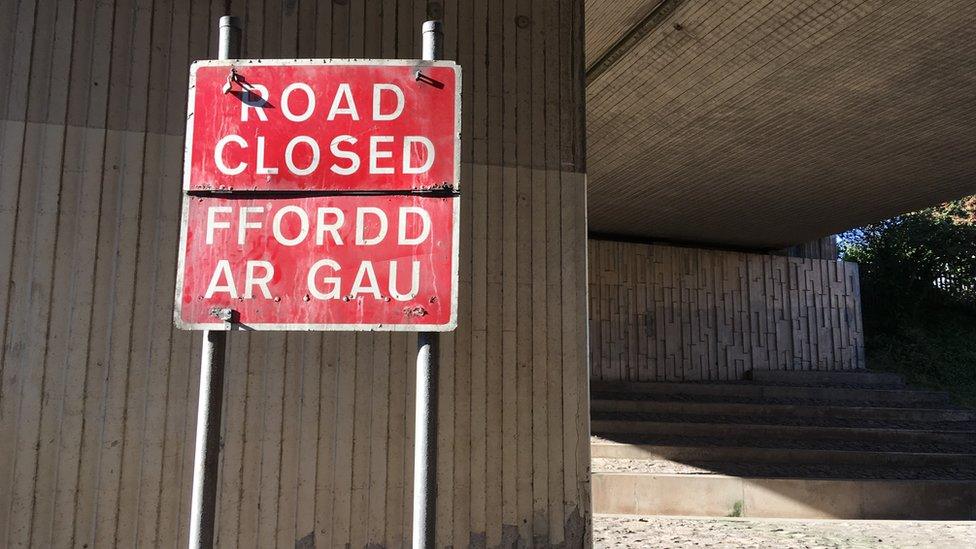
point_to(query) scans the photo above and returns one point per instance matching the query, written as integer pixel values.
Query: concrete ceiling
(765, 123)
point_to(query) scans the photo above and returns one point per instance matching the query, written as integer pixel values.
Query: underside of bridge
(763, 124)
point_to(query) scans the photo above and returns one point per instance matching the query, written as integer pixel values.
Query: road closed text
(344, 126)
(323, 260)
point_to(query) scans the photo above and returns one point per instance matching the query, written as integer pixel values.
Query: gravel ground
(654, 466)
(630, 531)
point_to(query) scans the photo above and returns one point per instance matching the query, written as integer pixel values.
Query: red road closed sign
(321, 195)
(323, 125)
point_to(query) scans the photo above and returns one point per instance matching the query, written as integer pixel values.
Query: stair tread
(798, 443)
(764, 470)
(789, 420)
(765, 400)
(829, 378)
(632, 385)
(607, 403)
(825, 385)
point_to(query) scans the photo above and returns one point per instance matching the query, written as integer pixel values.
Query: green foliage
(918, 286)
(935, 349)
(736, 509)
(918, 258)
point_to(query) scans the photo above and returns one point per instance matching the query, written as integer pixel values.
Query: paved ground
(629, 531)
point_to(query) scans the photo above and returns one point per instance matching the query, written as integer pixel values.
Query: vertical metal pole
(425, 441)
(204, 502)
(231, 31)
(428, 349)
(433, 41)
(203, 505)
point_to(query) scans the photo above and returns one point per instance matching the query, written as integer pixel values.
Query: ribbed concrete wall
(98, 391)
(822, 248)
(665, 313)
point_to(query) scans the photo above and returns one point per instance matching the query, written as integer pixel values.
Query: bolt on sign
(321, 195)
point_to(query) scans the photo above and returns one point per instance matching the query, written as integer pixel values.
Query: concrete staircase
(783, 444)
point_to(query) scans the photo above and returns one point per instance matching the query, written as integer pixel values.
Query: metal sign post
(276, 235)
(428, 351)
(203, 505)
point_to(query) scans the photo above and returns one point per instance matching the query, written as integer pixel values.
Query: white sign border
(451, 325)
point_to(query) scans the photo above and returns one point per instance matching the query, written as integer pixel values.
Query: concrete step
(600, 404)
(896, 397)
(687, 428)
(834, 471)
(677, 450)
(840, 378)
(720, 495)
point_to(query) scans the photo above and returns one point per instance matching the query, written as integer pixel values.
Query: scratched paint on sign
(319, 262)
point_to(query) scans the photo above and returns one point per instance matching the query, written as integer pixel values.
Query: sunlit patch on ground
(631, 531)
